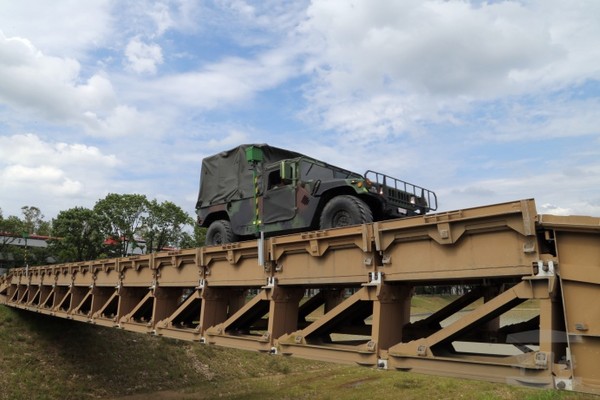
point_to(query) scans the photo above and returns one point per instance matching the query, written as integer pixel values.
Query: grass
(43, 357)
(334, 382)
(428, 304)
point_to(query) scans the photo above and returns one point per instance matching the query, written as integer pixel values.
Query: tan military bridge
(527, 312)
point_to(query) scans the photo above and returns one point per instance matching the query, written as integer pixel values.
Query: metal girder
(526, 313)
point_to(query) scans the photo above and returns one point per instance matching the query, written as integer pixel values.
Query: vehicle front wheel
(220, 232)
(345, 210)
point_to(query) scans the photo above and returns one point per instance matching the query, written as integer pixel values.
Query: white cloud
(543, 118)
(153, 18)
(452, 47)
(408, 88)
(234, 138)
(365, 119)
(68, 27)
(50, 174)
(143, 58)
(162, 17)
(53, 88)
(43, 180)
(440, 57)
(257, 23)
(59, 90)
(558, 190)
(229, 81)
(48, 85)
(21, 174)
(31, 150)
(548, 208)
(126, 121)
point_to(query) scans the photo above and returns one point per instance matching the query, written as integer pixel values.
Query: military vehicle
(259, 188)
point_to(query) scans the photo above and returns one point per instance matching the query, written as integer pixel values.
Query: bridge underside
(523, 289)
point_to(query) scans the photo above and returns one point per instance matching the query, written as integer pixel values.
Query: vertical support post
(100, 296)
(165, 303)
(78, 293)
(283, 310)
(128, 299)
(218, 304)
(59, 294)
(45, 292)
(391, 311)
(546, 325)
(553, 335)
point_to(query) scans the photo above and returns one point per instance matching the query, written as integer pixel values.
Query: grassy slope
(50, 358)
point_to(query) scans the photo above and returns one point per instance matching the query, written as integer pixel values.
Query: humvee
(260, 188)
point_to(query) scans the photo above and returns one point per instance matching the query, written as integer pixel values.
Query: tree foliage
(76, 235)
(33, 221)
(164, 225)
(121, 217)
(118, 225)
(8, 227)
(196, 239)
(14, 229)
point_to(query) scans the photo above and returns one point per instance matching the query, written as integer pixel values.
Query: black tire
(220, 232)
(345, 210)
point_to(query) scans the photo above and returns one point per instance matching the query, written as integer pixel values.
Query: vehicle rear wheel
(345, 210)
(220, 232)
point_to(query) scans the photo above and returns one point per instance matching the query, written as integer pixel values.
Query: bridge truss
(525, 308)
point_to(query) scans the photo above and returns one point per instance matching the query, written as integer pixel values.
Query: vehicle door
(279, 195)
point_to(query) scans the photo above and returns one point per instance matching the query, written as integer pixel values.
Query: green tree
(76, 235)
(120, 220)
(164, 225)
(11, 229)
(196, 239)
(33, 221)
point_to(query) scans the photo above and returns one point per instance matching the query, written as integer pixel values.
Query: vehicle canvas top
(228, 176)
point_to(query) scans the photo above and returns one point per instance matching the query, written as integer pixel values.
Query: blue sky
(482, 102)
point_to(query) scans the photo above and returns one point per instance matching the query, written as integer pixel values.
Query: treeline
(118, 225)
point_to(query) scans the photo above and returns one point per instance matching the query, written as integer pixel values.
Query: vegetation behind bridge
(118, 225)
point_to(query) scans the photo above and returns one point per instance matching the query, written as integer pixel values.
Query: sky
(480, 101)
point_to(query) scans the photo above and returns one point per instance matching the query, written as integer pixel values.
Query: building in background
(21, 248)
